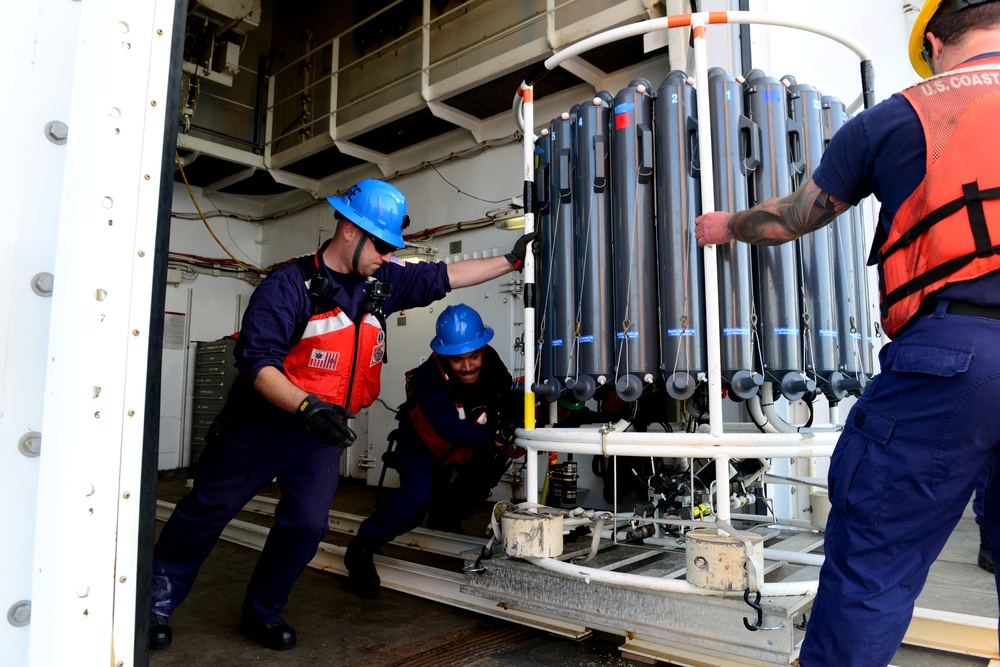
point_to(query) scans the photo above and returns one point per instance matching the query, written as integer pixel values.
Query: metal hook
(477, 567)
(755, 605)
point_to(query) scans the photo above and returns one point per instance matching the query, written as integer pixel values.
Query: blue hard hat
(376, 207)
(459, 330)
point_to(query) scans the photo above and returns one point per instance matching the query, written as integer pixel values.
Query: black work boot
(985, 557)
(276, 636)
(362, 578)
(160, 634)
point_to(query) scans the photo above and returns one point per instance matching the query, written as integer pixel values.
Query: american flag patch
(324, 360)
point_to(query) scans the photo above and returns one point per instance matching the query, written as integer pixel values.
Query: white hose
(753, 407)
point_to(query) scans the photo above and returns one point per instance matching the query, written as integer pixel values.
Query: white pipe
(528, 155)
(722, 490)
(794, 557)
(689, 450)
(518, 119)
(711, 270)
(615, 436)
(792, 441)
(834, 413)
(640, 582)
(681, 21)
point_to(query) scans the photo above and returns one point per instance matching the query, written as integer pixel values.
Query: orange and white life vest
(337, 359)
(948, 229)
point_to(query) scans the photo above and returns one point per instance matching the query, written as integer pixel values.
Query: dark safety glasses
(382, 247)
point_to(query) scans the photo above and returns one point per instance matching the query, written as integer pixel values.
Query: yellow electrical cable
(180, 166)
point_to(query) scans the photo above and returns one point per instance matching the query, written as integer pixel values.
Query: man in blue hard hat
(310, 355)
(915, 444)
(457, 421)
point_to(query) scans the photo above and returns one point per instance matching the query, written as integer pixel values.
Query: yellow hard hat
(927, 12)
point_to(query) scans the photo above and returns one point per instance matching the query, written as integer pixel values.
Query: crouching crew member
(455, 441)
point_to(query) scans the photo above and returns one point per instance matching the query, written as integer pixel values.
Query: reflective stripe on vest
(948, 229)
(338, 361)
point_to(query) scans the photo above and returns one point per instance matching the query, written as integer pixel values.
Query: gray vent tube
(678, 202)
(736, 153)
(595, 343)
(635, 304)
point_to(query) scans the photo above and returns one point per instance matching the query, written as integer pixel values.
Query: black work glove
(520, 250)
(509, 449)
(505, 441)
(327, 421)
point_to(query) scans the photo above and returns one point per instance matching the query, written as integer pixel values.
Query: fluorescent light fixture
(509, 219)
(413, 252)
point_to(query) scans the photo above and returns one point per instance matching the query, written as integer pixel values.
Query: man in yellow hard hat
(915, 443)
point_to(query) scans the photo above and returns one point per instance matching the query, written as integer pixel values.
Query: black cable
(459, 190)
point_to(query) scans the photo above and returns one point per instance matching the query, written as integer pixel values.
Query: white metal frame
(717, 444)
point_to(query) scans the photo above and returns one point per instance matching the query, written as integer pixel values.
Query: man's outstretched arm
(773, 222)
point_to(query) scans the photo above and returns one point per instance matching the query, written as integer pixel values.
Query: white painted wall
(38, 41)
(881, 26)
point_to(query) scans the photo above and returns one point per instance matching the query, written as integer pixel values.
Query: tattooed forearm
(753, 226)
(780, 220)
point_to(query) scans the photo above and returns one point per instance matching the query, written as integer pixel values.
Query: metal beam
(581, 69)
(955, 633)
(645, 650)
(432, 541)
(310, 185)
(221, 151)
(940, 630)
(232, 179)
(458, 118)
(400, 575)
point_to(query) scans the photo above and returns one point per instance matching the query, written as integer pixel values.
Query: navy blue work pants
(230, 473)
(425, 484)
(913, 448)
(978, 500)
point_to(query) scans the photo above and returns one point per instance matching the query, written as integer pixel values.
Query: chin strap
(358, 249)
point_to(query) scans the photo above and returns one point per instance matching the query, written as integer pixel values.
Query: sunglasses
(382, 247)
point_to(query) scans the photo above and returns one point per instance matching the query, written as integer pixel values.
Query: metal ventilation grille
(496, 96)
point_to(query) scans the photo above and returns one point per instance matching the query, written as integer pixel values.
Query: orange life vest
(337, 359)
(948, 229)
